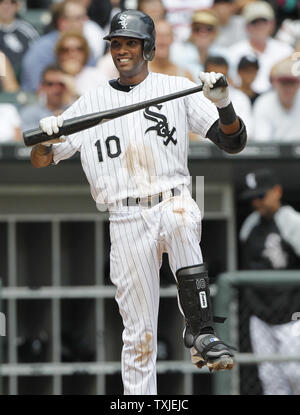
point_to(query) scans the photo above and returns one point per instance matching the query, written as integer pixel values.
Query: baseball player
(137, 166)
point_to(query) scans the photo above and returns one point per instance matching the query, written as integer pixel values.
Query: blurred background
(62, 332)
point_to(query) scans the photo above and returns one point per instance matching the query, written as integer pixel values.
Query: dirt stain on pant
(144, 349)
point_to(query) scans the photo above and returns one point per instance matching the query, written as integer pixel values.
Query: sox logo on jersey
(162, 127)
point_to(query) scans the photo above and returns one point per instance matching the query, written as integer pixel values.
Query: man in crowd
(260, 20)
(276, 113)
(16, 35)
(52, 98)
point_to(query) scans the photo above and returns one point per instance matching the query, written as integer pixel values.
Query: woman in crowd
(72, 54)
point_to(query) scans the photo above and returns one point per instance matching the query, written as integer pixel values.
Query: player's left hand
(218, 95)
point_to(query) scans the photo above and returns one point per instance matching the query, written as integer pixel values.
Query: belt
(150, 200)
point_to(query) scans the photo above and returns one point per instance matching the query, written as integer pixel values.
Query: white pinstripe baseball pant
(139, 236)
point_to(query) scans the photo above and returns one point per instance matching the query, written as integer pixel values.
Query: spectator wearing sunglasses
(204, 31)
(53, 98)
(270, 240)
(16, 35)
(72, 54)
(66, 15)
(260, 25)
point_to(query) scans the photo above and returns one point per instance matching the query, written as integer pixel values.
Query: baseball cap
(258, 10)
(247, 61)
(206, 17)
(257, 183)
(283, 71)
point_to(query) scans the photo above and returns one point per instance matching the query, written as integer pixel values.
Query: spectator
(270, 240)
(289, 32)
(161, 62)
(193, 53)
(10, 122)
(239, 100)
(286, 10)
(232, 27)
(179, 14)
(16, 35)
(276, 113)
(102, 11)
(106, 67)
(154, 8)
(72, 54)
(53, 98)
(247, 69)
(67, 15)
(8, 81)
(260, 21)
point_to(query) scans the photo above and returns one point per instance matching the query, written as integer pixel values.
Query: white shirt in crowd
(9, 121)
(89, 78)
(179, 15)
(233, 32)
(274, 123)
(274, 52)
(94, 35)
(289, 32)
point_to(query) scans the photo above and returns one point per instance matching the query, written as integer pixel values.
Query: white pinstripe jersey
(141, 153)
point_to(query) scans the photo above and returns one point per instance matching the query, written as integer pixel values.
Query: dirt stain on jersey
(139, 162)
(144, 349)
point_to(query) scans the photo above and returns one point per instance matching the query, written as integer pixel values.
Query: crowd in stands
(256, 44)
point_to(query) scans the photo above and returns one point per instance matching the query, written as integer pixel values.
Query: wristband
(227, 114)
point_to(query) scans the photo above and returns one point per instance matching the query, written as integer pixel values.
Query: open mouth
(123, 61)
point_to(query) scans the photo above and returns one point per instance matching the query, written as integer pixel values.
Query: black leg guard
(194, 298)
(199, 334)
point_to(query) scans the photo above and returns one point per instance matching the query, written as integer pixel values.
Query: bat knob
(221, 82)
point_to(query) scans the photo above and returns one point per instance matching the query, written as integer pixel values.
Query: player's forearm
(229, 123)
(232, 128)
(41, 156)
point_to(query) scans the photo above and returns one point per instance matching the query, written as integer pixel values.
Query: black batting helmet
(133, 23)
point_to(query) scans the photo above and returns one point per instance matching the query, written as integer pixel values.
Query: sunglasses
(9, 1)
(260, 196)
(203, 28)
(67, 49)
(51, 83)
(258, 20)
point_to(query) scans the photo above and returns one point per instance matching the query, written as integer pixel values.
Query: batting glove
(51, 125)
(219, 95)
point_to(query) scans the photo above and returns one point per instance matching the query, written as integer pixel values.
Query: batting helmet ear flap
(149, 49)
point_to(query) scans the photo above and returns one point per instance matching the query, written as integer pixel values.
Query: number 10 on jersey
(112, 146)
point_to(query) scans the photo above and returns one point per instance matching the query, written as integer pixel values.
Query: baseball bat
(74, 125)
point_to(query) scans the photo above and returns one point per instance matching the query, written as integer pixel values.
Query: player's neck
(134, 79)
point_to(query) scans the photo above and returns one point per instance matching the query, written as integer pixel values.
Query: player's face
(269, 203)
(127, 54)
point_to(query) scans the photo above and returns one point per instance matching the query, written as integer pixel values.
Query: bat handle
(221, 82)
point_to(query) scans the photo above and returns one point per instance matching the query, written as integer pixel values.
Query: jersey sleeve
(68, 148)
(201, 112)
